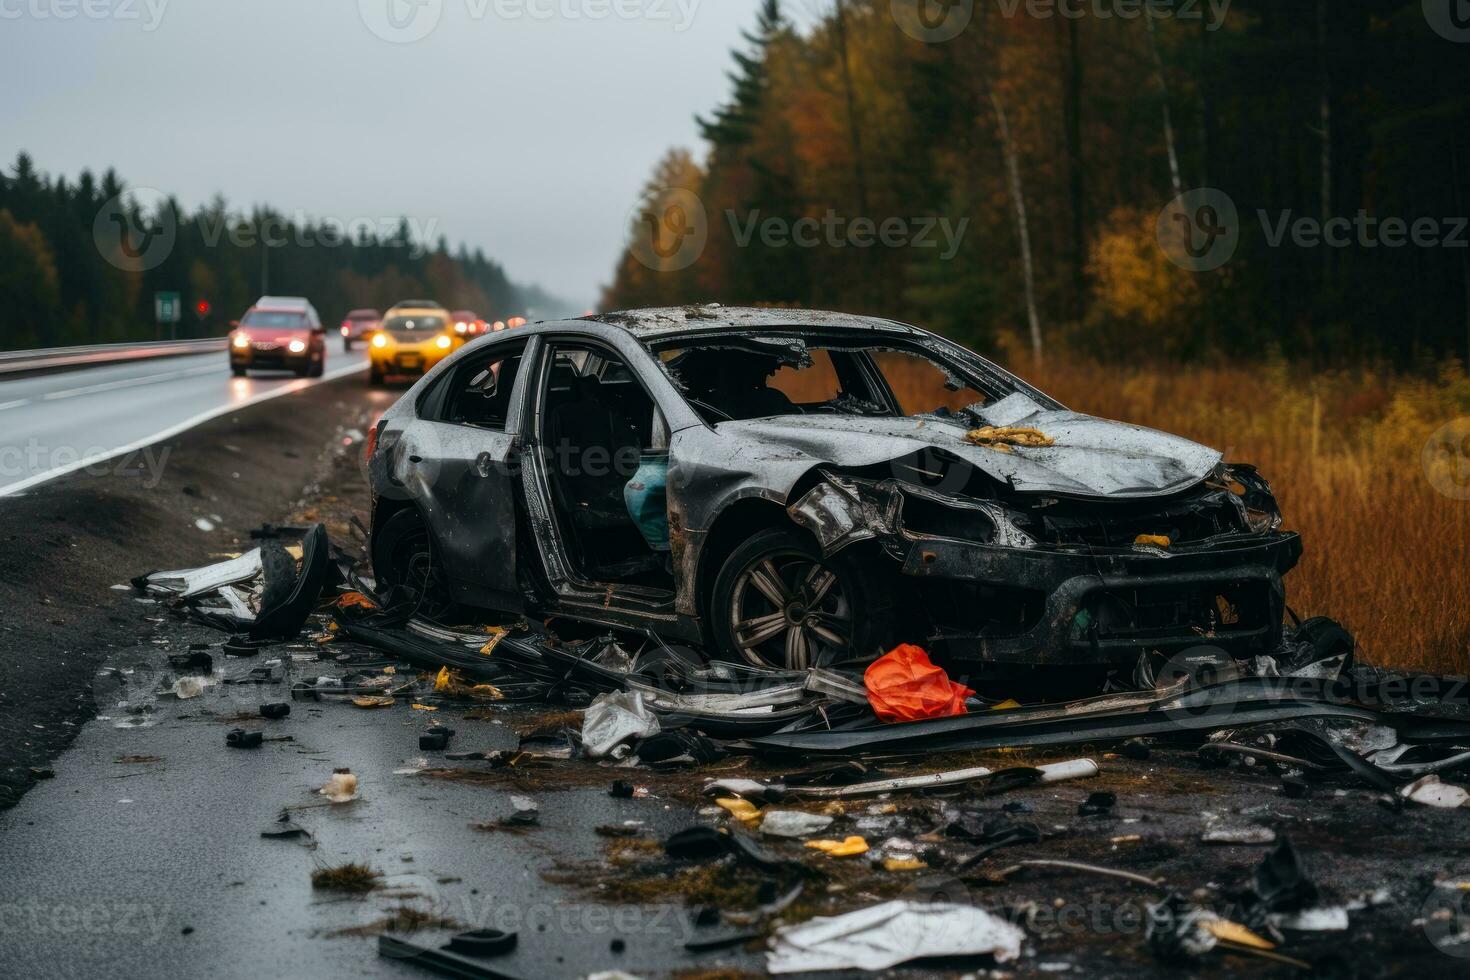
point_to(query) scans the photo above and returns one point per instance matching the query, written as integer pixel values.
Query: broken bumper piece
(1105, 607)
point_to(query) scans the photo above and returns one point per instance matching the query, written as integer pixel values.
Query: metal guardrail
(14, 362)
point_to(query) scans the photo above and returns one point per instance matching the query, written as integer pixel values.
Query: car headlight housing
(380, 340)
(241, 341)
(443, 342)
(297, 346)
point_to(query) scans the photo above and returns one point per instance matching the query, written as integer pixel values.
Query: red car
(358, 325)
(281, 333)
(467, 324)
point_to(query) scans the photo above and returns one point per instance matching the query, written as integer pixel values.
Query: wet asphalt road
(52, 424)
(156, 867)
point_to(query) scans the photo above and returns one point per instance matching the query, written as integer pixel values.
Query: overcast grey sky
(525, 127)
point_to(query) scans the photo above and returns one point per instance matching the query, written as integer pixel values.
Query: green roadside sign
(168, 307)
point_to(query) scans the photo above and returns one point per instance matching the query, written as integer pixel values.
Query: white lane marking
(173, 430)
(52, 396)
(14, 404)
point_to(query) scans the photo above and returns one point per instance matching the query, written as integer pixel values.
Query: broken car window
(922, 386)
(751, 381)
(480, 389)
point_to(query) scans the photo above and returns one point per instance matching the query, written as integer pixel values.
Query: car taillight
(346, 330)
(372, 443)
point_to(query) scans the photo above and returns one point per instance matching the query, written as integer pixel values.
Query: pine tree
(734, 124)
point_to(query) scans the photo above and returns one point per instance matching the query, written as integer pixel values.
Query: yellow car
(414, 336)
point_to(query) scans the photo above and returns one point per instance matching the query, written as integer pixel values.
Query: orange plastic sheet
(903, 685)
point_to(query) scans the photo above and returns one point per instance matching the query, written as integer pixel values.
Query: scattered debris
(1239, 835)
(1429, 791)
(612, 720)
(886, 935)
(341, 788)
(346, 878)
(239, 738)
(904, 685)
(793, 823)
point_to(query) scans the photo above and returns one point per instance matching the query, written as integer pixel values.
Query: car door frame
(446, 485)
(605, 602)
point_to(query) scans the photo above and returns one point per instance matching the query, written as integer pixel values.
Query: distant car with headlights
(413, 337)
(468, 324)
(279, 333)
(359, 325)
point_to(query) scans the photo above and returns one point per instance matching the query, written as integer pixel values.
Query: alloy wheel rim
(790, 611)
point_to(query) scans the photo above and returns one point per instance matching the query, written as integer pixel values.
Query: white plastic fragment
(883, 936)
(614, 719)
(793, 823)
(1329, 919)
(1239, 835)
(1431, 792)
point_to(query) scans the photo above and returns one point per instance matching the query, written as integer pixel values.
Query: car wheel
(347, 344)
(375, 376)
(238, 372)
(778, 603)
(318, 368)
(404, 558)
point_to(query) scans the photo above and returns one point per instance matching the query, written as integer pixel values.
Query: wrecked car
(795, 489)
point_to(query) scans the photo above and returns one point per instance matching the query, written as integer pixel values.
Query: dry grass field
(1360, 461)
(1355, 460)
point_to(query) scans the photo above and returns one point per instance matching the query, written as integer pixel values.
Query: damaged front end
(1034, 579)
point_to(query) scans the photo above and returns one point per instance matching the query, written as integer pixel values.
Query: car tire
(347, 344)
(403, 557)
(318, 368)
(375, 376)
(852, 608)
(238, 372)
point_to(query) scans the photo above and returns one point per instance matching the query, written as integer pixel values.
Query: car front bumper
(269, 358)
(408, 359)
(1103, 607)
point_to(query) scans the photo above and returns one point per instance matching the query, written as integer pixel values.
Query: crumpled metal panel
(1092, 457)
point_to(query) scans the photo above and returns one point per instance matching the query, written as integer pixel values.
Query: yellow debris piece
(1004, 437)
(1233, 932)
(497, 633)
(424, 707)
(366, 702)
(445, 681)
(1154, 540)
(840, 848)
(743, 810)
(903, 864)
(1009, 704)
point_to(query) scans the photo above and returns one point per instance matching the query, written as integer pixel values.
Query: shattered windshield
(750, 378)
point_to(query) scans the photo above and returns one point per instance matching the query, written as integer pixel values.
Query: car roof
(295, 303)
(417, 304)
(655, 324)
(362, 312)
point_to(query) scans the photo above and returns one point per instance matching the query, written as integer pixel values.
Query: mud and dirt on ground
(66, 544)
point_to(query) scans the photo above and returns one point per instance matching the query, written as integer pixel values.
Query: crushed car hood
(1092, 457)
